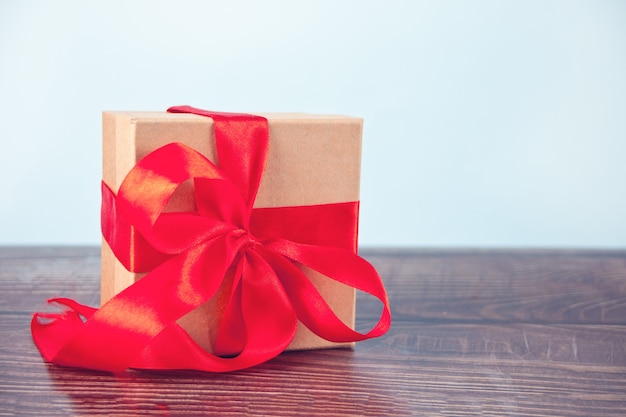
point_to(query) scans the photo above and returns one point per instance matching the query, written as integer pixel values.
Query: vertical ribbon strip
(254, 255)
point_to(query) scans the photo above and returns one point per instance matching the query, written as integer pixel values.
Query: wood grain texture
(519, 333)
(506, 286)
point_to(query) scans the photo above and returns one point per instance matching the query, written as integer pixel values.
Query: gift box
(312, 160)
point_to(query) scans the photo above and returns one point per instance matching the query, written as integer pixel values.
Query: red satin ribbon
(189, 255)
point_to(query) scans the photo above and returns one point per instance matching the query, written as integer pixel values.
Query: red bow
(254, 255)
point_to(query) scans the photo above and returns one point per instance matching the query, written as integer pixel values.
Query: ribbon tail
(114, 336)
(337, 264)
(51, 331)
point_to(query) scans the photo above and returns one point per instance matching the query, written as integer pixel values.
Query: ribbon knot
(241, 233)
(249, 260)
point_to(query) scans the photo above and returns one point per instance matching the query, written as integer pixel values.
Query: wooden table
(507, 332)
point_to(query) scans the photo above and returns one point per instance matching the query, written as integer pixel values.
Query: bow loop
(336, 264)
(147, 189)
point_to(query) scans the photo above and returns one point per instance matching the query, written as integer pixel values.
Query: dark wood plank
(31, 275)
(469, 286)
(530, 333)
(432, 369)
(506, 285)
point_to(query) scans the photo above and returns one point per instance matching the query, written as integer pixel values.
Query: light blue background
(487, 123)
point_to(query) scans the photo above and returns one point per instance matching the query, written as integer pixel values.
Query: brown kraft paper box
(313, 159)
